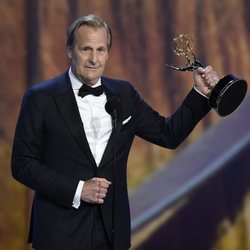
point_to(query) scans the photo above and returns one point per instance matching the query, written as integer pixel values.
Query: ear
(69, 52)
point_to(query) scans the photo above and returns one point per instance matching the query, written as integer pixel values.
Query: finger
(101, 195)
(98, 199)
(207, 72)
(104, 185)
(103, 180)
(103, 190)
(211, 79)
(200, 70)
(215, 79)
(208, 69)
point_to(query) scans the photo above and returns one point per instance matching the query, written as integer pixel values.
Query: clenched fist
(205, 79)
(95, 190)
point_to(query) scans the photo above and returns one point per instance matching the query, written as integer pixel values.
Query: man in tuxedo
(64, 144)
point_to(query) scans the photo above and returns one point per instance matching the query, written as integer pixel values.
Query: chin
(90, 81)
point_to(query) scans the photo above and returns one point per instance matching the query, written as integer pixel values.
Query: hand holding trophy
(227, 94)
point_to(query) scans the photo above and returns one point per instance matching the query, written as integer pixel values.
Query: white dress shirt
(97, 125)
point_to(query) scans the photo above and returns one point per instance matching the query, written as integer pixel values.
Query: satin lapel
(66, 102)
(110, 91)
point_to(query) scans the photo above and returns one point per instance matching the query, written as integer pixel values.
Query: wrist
(201, 93)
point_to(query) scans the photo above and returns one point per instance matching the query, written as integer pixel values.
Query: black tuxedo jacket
(51, 154)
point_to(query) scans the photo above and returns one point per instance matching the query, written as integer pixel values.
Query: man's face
(89, 54)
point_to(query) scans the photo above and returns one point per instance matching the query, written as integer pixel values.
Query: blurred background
(211, 211)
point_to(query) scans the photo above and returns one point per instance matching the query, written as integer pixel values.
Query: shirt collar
(76, 84)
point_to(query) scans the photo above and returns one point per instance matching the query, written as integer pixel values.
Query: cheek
(79, 62)
(78, 58)
(104, 60)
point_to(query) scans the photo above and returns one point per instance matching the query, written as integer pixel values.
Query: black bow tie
(87, 90)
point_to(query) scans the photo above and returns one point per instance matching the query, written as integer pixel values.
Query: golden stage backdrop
(32, 49)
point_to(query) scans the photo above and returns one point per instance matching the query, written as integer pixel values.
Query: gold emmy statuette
(228, 93)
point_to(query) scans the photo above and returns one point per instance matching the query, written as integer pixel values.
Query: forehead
(92, 35)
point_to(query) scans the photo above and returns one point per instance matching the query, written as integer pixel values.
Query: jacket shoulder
(50, 86)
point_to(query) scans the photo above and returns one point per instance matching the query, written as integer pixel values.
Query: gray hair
(91, 21)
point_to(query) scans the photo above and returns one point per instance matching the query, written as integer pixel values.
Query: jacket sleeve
(26, 162)
(169, 131)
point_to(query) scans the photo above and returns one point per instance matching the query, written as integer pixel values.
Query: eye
(85, 50)
(102, 50)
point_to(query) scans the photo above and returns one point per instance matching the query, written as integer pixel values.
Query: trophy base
(227, 95)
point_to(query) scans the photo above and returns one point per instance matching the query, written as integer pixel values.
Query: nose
(93, 57)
